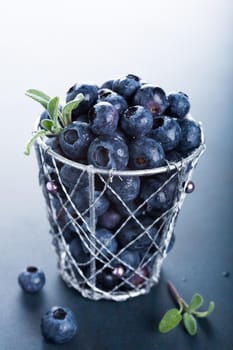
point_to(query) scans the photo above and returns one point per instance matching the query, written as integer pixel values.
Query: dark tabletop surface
(180, 45)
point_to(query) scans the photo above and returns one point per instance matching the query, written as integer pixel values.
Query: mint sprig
(58, 119)
(186, 312)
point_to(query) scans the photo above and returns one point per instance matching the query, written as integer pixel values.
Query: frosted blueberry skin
(132, 230)
(72, 177)
(76, 250)
(58, 325)
(106, 243)
(106, 280)
(179, 105)
(151, 97)
(126, 86)
(107, 84)
(90, 93)
(104, 118)
(32, 279)
(128, 260)
(118, 101)
(127, 187)
(111, 219)
(136, 121)
(166, 131)
(145, 153)
(108, 152)
(164, 198)
(75, 139)
(190, 135)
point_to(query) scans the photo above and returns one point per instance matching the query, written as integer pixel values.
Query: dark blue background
(179, 45)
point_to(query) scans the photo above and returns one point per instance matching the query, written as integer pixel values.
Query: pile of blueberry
(126, 124)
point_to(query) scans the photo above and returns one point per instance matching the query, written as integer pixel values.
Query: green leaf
(67, 110)
(205, 313)
(53, 107)
(170, 320)
(38, 96)
(47, 124)
(196, 302)
(190, 323)
(34, 137)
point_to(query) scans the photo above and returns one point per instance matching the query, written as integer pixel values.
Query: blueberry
(32, 279)
(118, 101)
(127, 187)
(77, 251)
(101, 203)
(107, 84)
(73, 177)
(190, 135)
(166, 131)
(80, 199)
(140, 277)
(81, 118)
(75, 140)
(128, 260)
(173, 156)
(111, 219)
(106, 280)
(90, 93)
(127, 85)
(134, 235)
(104, 118)
(179, 105)
(53, 143)
(58, 325)
(151, 97)
(108, 152)
(164, 194)
(106, 244)
(136, 121)
(145, 153)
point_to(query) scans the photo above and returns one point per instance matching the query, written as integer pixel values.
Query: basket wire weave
(84, 276)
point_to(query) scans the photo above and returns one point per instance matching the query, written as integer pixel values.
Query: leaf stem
(176, 296)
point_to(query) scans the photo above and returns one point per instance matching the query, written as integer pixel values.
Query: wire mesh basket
(111, 243)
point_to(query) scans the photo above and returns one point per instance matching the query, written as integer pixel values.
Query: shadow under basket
(112, 229)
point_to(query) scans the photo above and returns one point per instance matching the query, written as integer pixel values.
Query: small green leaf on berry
(34, 137)
(170, 320)
(190, 323)
(38, 96)
(47, 124)
(196, 302)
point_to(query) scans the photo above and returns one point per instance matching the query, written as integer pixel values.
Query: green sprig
(186, 312)
(57, 119)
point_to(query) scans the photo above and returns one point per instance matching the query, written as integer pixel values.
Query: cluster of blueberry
(123, 125)
(127, 124)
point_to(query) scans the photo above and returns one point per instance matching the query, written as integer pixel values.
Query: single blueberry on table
(190, 135)
(151, 97)
(166, 131)
(104, 118)
(118, 101)
(145, 153)
(58, 325)
(179, 105)
(136, 121)
(127, 85)
(32, 279)
(108, 152)
(75, 140)
(90, 93)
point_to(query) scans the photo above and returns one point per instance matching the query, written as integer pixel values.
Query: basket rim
(112, 172)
